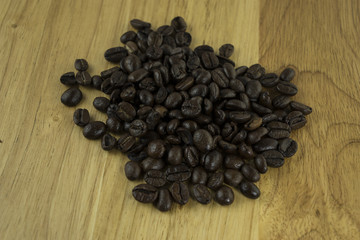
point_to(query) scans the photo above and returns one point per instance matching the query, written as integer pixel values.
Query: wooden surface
(54, 184)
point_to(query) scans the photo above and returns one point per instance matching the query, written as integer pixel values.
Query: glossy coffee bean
(265, 144)
(108, 142)
(226, 50)
(201, 194)
(101, 103)
(125, 142)
(81, 117)
(175, 155)
(287, 74)
(213, 160)
(68, 79)
(81, 64)
(249, 189)
(296, 120)
(94, 130)
(260, 164)
(152, 164)
(191, 156)
(250, 173)
(71, 97)
(115, 54)
(126, 112)
(156, 149)
(287, 88)
(164, 200)
(145, 193)
(273, 158)
(203, 140)
(215, 180)
(199, 175)
(233, 161)
(155, 178)
(138, 128)
(139, 24)
(113, 125)
(178, 173)
(180, 192)
(287, 147)
(224, 195)
(232, 177)
(132, 170)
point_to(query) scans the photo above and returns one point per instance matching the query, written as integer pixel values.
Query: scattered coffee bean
(249, 189)
(164, 201)
(224, 195)
(81, 117)
(68, 79)
(145, 193)
(94, 130)
(180, 192)
(201, 194)
(71, 97)
(81, 64)
(108, 142)
(132, 170)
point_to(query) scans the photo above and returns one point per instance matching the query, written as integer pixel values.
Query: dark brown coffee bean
(164, 201)
(183, 39)
(139, 24)
(71, 97)
(269, 80)
(295, 120)
(113, 125)
(155, 178)
(223, 60)
(209, 60)
(185, 84)
(203, 140)
(176, 173)
(192, 126)
(154, 52)
(176, 113)
(239, 137)
(96, 82)
(191, 108)
(156, 149)
(281, 101)
(173, 100)
(161, 95)
(115, 54)
(94, 130)
(108, 142)
(229, 131)
(233, 161)
(81, 64)
(250, 173)
(106, 86)
(213, 129)
(203, 48)
(191, 156)
(226, 50)
(193, 62)
(175, 155)
(232, 177)
(253, 124)
(125, 142)
(81, 117)
(128, 94)
(108, 72)
(155, 39)
(255, 71)
(146, 98)
(128, 36)
(269, 118)
(227, 147)
(234, 104)
(273, 158)
(224, 196)
(236, 85)
(265, 144)
(68, 79)
(240, 71)
(199, 90)
(132, 170)
(145, 193)
(259, 109)
(265, 100)
(249, 189)
(152, 164)
(138, 75)
(227, 93)
(130, 63)
(220, 78)
(138, 128)
(179, 24)
(278, 130)
(101, 103)
(202, 76)
(166, 30)
(245, 151)
(287, 75)
(239, 117)
(126, 112)
(253, 89)
(245, 99)
(213, 160)
(287, 147)
(199, 175)
(260, 164)
(287, 88)
(300, 107)
(215, 181)
(201, 194)
(229, 70)
(137, 156)
(185, 136)
(256, 135)
(180, 192)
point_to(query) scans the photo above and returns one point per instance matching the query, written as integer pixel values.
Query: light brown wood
(54, 184)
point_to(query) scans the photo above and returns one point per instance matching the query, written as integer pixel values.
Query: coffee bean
(137, 157)
(255, 71)
(199, 175)
(139, 24)
(193, 62)
(260, 164)
(125, 142)
(278, 130)
(287, 75)
(239, 137)
(101, 103)
(253, 124)
(249, 189)
(281, 101)
(138, 128)
(107, 73)
(202, 76)
(191, 108)
(183, 39)
(233, 161)
(224, 195)
(128, 36)
(71, 97)
(126, 112)
(155, 178)
(240, 71)
(265, 144)
(108, 142)
(81, 64)
(226, 50)
(239, 117)
(113, 125)
(253, 89)
(96, 81)
(185, 84)
(106, 86)
(300, 107)
(156, 149)
(273, 158)
(265, 100)
(173, 100)
(219, 77)
(269, 80)
(68, 79)
(81, 117)
(164, 201)
(201, 194)
(236, 85)
(215, 181)
(209, 60)
(152, 164)
(232, 177)
(192, 126)
(256, 135)
(199, 90)
(245, 151)
(287, 147)
(130, 63)
(115, 54)
(177, 173)
(145, 193)
(295, 120)
(191, 156)
(287, 88)
(269, 117)
(203, 140)
(179, 24)
(94, 130)
(213, 160)
(175, 155)
(180, 192)
(166, 30)
(250, 173)
(132, 170)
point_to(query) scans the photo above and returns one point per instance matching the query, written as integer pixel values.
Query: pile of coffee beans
(191, 123)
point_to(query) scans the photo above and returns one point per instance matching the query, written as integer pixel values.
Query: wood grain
(54, 184)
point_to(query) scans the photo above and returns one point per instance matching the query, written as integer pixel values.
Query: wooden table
(54, 184)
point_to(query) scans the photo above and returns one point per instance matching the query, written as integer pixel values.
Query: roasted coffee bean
(213, 129)
(224, 195)
(203, 48)
(239, 137)
(164, 201)
(223, 60)
(249, 189)
(138, 128)
(229, 131)
(126, 112)
(180, 192)
(81, 117)
(259, 109)
(191, 156)
(250, 173)
(128, 36)
(295, 120)
(176, 113)
(253, 124)
(139, 24)
(81, 64)
(106, 86)
(253, 89)
(287, 147)
(227, 93)
(227, 147)
(245, 99)
(175, 155)
(226, 50)
(255, 71)
(154, 52)
(166, 30)
(108, 142)
(178, 70)
(132, 170)
(128, 94)
(125, 142)
(265, 100)
(145, 193)
(236, 85)
(131, 47)
(137, 157)
(232, 177)
(152, 164)
(213, 160)
(245, 151)
(155, 39)
(130, 63)
(233, 161)
(96, 82)
(201, 194)
(191, 108)
(101, 103)
(256, 135)
(185, 136)
(260, 164)
(287, 75)
(278, 130)
(219, 77)
(281, 101)
(209, 60)
(71, 97)
(174, 100)
(185, 84)
(199, 175)
(156, 148)
(269, 117)
(273, 158)
(199, 90)
(265, 144)
(215, 181)
(240, 71)
(269, 80)
(207, 106)
(115, 54)
(172, 126)
(146, 98)
(155, 178)
(234, 104)
(203, 140)
(113, 125)
(193, 62)
(176, 173)
(190, 125)
(287, 88)
(94, 130)
(68, 79)
(239, 117)
(179, 24)
(202, 76)
(108, 72)
(161, 95)
(183, 39)
(300, 107)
